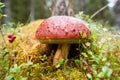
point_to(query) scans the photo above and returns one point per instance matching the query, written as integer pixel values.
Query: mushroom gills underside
(62, 41)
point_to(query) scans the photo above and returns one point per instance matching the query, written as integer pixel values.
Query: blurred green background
(23, 10)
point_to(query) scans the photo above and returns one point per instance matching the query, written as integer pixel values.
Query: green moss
(101, 51)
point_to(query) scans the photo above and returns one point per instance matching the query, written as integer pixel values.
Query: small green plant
(99, 53)
(60, 63)
(43, 57)
(105, 73)
(1, 10)
(16, 72)
(4, 64)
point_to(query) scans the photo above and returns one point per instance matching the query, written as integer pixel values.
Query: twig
(98, 11)
(3, 37)
(89, 68)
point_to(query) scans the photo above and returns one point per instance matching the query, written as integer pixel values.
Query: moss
(103, 49)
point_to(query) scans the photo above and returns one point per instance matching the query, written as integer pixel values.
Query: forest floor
(97, 59)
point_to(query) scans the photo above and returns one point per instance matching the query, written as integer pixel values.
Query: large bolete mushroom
(62, 30)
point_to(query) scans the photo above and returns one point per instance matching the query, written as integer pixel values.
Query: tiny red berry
(11, 40)
(14, 37)
(10, 35)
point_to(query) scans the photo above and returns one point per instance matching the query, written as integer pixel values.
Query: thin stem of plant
(101, 9)
(3, 37)
(89, 68)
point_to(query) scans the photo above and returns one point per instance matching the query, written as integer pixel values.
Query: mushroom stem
(61, 53)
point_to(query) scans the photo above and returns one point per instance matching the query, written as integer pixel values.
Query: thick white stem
(61, 53)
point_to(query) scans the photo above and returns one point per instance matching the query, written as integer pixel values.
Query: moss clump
(96, 59)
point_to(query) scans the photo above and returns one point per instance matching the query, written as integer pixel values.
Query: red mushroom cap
(61, 29)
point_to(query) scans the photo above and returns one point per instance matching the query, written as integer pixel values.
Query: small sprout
(105, 29)
(83, 35)
(43, 58)
(88, 44)
(106, 72)
(81, 32)
(108, 64)
(77, 61)
(89, 76)
(84, 54)
(60, 63)
(104, 59)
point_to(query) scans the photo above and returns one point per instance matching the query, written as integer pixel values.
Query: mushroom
(62, 30)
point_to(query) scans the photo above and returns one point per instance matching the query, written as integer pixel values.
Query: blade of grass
(3, 37)
(101, 9)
